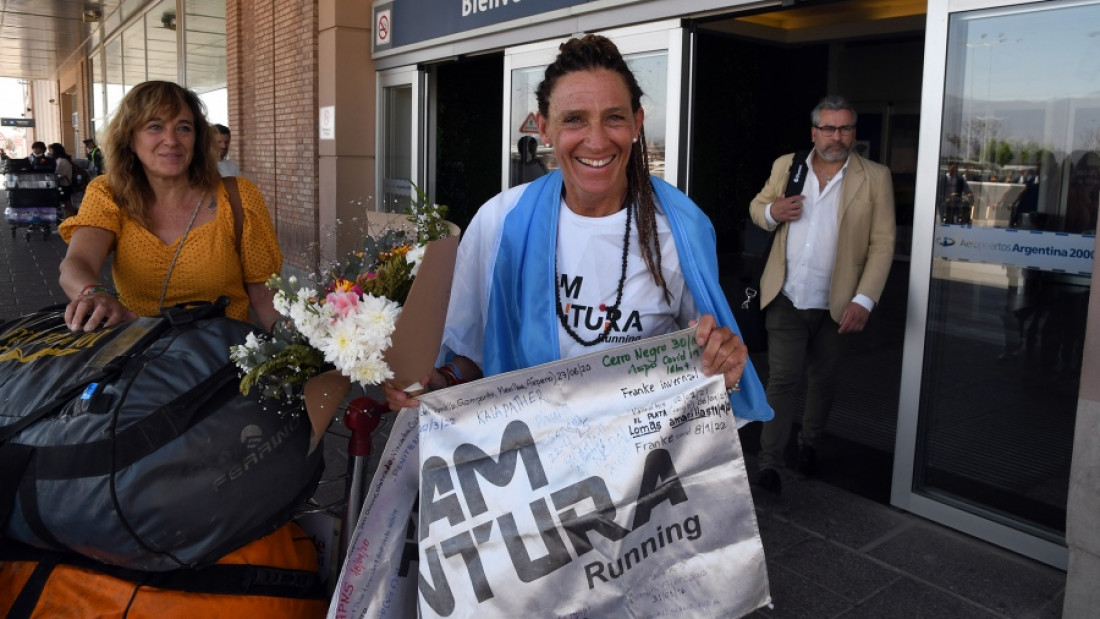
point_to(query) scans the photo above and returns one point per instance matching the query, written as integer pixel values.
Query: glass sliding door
(400, 138)
(1008, 206)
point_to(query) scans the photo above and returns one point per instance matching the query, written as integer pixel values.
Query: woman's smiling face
(592, 129)
(165, 146)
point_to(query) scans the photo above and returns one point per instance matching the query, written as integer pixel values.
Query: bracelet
(454, 370)
(91, 289)
(734, 389)
(450, 374)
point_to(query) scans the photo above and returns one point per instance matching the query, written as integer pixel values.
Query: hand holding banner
(609, 484)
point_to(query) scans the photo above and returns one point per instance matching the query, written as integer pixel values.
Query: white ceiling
(37, 37)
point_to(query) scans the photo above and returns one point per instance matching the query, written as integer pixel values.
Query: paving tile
(835, 514)
(835, 568)
(908, 599)
(1053, 609)
(796, 597)
(992, 578)
(778, 534)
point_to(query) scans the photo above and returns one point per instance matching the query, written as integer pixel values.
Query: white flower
(340, 344)
(415, 256)
(372, 370)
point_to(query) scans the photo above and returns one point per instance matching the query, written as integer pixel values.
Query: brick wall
(271, 52)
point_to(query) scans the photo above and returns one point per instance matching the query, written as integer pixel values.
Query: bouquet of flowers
(345, 317)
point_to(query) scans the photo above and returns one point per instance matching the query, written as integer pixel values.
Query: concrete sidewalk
(830, 553)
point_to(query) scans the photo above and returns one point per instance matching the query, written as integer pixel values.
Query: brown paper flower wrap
(376, 316)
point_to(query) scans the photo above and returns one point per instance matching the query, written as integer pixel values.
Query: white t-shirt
(590, 258)
(590, 248)
(228, 167)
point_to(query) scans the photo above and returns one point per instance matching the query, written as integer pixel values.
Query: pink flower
(342, 302)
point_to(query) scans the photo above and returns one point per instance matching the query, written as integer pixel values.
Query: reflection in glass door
(1012, 253)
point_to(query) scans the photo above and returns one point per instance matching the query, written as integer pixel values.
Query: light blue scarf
(522, 327)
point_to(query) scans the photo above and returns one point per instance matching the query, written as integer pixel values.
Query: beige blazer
(865, 237)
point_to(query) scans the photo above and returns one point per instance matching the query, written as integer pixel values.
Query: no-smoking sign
(382, 27)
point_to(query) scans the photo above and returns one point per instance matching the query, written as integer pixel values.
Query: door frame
(418, 81)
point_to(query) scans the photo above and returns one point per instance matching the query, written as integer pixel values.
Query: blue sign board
(404, 22)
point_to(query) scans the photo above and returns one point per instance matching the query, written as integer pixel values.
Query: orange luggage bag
(272, 577)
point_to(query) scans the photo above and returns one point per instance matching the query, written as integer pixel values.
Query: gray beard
(833, 157)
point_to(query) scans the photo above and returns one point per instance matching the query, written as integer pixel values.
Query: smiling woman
(594, 254)
(164, 211)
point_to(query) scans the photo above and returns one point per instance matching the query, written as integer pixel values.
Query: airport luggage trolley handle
(362, 417)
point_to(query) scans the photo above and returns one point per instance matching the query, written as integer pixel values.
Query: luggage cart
(33, 202)
(330, 517)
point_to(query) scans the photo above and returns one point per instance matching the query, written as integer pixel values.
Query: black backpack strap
(187, 313)
(221, 579)
(796, 176)
(796, 180)
(24, 604)
(28, 503)
(14, 459)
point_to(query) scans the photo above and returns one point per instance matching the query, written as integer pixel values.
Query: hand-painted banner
(606, 485)
(374, 580)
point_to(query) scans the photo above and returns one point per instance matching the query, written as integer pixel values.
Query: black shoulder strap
(221, 578)
(796, 177)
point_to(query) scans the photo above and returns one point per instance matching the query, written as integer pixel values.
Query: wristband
(450, 374)
(454, 370)
(91, 289)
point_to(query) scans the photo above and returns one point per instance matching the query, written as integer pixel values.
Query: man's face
(223, 144)
(37, 150)
(837, 146)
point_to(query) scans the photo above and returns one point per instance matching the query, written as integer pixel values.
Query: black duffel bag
(132, 445)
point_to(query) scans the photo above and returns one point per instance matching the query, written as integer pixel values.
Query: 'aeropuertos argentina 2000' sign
(606, 485)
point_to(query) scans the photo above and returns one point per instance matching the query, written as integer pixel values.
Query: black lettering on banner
(435, 480)
(528, 569)
(463, 544)
(409, 550)
(470, 461)
(660, 483)
(439, 597)
(601, 521)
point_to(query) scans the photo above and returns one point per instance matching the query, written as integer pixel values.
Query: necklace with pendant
(564, 318)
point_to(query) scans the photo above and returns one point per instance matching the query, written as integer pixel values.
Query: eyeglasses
(829, 130)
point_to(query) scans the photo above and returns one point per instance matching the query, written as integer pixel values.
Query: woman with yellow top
(163, 211)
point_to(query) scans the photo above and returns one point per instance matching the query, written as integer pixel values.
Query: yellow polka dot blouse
(208, 265)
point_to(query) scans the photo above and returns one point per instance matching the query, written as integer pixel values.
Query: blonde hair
(126, 177)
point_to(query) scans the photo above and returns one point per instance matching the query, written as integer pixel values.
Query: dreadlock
(592, 52)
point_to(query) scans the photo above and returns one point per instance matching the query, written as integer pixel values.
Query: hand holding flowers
(344, 319)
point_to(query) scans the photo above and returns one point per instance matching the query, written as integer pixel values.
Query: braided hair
(589, 53)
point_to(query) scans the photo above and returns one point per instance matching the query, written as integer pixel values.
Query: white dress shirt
(811, 243)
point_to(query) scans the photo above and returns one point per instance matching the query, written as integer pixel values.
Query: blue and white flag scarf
(522, 327)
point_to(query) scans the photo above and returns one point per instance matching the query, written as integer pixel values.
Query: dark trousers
(801, 344)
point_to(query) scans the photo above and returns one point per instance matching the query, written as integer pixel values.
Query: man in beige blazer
(833, 248)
